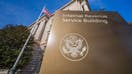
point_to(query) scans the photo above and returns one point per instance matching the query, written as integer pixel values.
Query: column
(39, 31)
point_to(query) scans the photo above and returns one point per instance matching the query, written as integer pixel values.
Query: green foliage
(12, 39)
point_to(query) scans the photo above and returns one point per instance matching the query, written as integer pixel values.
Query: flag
(46, 12)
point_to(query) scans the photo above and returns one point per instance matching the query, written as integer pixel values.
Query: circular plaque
(74, 47)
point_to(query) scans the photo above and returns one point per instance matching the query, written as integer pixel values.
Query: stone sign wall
(85, 43)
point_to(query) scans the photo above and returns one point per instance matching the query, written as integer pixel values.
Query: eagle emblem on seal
(74, 47)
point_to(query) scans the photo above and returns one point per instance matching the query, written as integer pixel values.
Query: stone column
(76, 6)
(46, 33)
(39, 31)
(85, 6)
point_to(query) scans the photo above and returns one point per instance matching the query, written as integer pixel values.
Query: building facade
(41, 29)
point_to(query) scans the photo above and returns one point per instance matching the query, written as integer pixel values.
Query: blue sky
(26, 11)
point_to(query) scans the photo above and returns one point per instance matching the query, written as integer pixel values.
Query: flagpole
(12, 70)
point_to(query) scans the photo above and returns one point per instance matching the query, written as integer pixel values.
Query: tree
(12, 38)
